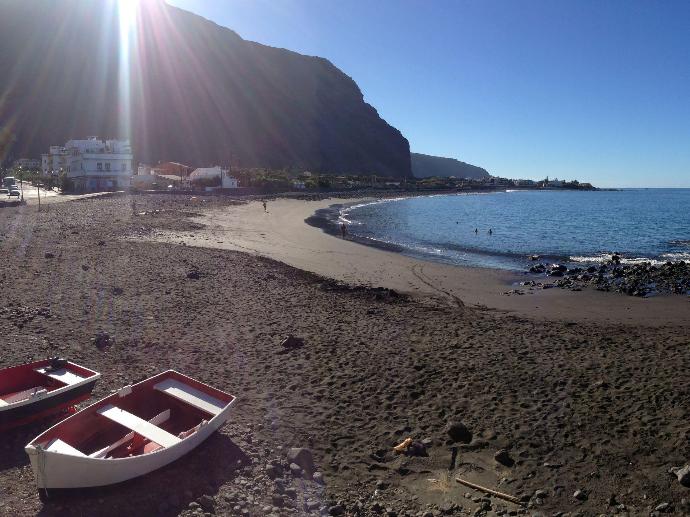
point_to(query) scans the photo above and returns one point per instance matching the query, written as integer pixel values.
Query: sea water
(558, 225)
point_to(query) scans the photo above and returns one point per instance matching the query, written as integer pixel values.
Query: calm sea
(566, 226)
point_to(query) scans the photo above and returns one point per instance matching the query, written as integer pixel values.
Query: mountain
(187, 90)
(424, 166)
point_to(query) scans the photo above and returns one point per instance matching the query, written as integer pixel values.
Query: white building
(27, 163)
(226, 180)
(91, 164)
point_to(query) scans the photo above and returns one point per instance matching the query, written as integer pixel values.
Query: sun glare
(127, 16)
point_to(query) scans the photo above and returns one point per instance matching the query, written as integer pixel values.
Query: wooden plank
(191, 396)
(62, 375)
(58, 445)
(156, 420)
(139, 425)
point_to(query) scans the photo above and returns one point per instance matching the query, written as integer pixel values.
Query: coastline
(282, 234)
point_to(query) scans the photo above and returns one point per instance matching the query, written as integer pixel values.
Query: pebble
(663, 508)
(683, 474)
(580, 495)
(336, 510)
(318, 478)
(296, 470)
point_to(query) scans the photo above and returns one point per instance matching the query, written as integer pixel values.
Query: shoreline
(283, 235)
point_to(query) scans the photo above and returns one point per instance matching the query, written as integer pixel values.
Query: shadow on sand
(164, 492)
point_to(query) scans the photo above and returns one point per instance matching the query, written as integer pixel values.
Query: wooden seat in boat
(58, 445)
(63, 375)
(191, 396)
(139, 425)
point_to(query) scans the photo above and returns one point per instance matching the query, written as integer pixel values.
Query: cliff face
(424, 166)
(187, 90)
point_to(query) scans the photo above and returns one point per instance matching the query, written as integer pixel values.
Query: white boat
(130, 433)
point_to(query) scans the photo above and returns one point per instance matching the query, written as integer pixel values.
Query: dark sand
(598, 406)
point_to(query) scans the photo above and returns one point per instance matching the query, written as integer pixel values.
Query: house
(210, 173)
(172, 169)
(27, 163)
(91, 164)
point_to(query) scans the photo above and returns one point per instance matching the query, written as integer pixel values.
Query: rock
(117, 291)
(291, 342)
(458, 432)
(336, 510)
(296, 470)
(318, 478)
(102, 340)
(580, 495)
(663, 508)
(277, 500)
(207, 503)
(48, 255)
(291, 493)
(302, 457)
(193, 274)
(274, 471)
(683, 474)
(101, 243)
(381, 485)
(312, 505)
(503, 457)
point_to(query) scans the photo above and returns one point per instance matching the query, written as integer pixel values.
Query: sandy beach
(281, 234)
(585, 393)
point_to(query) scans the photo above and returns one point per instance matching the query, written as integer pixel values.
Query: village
(95, 165)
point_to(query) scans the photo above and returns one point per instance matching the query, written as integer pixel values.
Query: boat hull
(60, 471)
(14, 416)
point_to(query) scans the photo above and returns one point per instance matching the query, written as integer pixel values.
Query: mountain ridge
(425, 166)
(200, 94)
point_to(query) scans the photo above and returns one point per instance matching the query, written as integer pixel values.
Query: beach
(585, 392)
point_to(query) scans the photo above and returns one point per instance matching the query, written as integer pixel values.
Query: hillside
(424, 166)
(199, 93)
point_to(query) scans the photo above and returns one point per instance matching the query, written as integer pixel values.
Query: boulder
(302, 457)
(458, 432)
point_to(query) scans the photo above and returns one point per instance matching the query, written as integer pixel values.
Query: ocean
(559, 226)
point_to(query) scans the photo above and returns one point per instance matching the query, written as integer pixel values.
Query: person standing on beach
(343, 230)
(476, 231)
(264, 203)
(491, 231)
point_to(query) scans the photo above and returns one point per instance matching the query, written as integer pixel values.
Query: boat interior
(20, 383)
(138, 420)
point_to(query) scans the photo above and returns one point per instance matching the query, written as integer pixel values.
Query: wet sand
(595, 406)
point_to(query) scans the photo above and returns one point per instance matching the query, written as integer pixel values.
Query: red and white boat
(37, 390)
(132, 432)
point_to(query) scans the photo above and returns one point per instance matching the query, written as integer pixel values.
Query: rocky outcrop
(187, 90)
(425, 166)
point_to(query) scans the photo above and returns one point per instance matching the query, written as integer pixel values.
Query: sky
(597, 91)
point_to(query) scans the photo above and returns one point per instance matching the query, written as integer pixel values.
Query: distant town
(96, 165)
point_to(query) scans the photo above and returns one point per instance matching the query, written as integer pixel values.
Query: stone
(291, 493)
(277, 500)
(663, 508)
(580, 495)
(503, 457)
(193, 274)
(683, 474)
(458, 432)
(291, 342)
(207, 503)
(318, 478)
(312, 505)
(274, 471)
(336, 510)
(49, 255)
(302, 457)
(295, 470)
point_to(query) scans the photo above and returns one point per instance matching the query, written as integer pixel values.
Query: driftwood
(507, 497)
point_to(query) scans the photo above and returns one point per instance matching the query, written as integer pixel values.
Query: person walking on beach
(476, 231)
(491, 231)
(343, 229)
(264, 203)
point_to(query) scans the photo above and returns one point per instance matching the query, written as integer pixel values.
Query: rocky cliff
(424, 166)
(184, 89)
